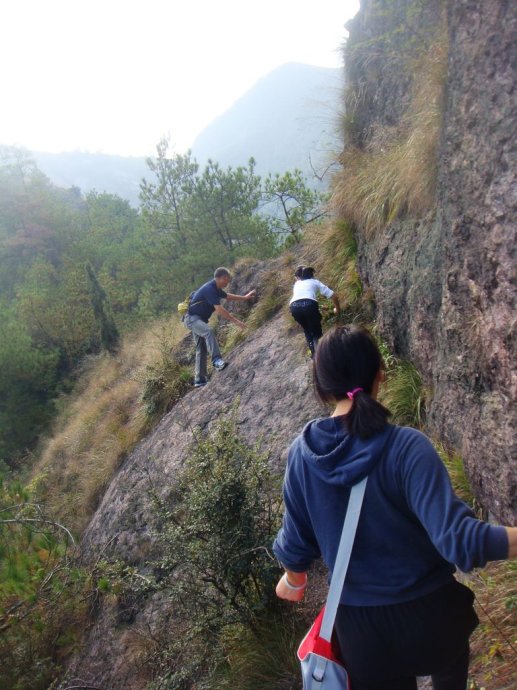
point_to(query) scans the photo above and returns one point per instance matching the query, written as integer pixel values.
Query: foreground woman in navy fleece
(402, 613)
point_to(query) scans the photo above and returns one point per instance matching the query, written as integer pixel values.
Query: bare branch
(40, 521)
(322, 175)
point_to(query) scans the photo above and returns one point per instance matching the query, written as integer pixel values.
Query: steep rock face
(444, 286)
(269, 381)
(478, 193)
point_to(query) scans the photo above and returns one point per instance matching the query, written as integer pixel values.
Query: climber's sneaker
(219, 364)
(199, 383)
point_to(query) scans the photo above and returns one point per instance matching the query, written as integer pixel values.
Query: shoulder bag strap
(344, 552)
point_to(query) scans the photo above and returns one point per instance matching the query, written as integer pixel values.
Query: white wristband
(295, 588)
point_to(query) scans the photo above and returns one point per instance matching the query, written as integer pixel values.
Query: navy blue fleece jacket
(412, 530)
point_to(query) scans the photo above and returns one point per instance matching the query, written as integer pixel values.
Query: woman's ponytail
(346, 364)
(367, 416)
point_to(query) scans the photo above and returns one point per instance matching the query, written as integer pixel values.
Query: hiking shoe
(199, 383)
(219, 364)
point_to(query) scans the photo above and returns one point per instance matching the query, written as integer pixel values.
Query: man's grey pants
(205, 341)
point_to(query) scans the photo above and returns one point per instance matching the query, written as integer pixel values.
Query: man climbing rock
(203, 303)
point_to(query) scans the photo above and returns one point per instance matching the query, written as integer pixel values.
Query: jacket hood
(336, 456)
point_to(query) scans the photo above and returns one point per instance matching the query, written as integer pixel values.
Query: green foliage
(196, 220)
(76, 272)
(460, 483)
(291, 204)
(218, 574)
(230, 570)
(27, 374)
(116, 246)
(224, 206)
(404, 393)
(43, 594)
(109, 334)
(164, 384)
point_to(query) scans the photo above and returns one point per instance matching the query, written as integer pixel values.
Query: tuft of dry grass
(494, 643)
(396, 174)
(273, 295)
(262, 658)
(331, 247)
(99, 425)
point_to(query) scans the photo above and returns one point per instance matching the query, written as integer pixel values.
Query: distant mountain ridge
(286, 120)
(106, 173)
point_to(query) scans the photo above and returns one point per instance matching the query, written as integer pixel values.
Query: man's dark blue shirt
(204, 300)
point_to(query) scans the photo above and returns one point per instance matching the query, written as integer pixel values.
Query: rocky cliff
(443, 280)
(269, 381)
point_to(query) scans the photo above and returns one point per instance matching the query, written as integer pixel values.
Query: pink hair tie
(352, 393)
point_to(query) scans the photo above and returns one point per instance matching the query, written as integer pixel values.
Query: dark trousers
(306, 312)
(386, 647)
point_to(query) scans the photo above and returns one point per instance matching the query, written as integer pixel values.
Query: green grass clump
(165, 383)
(332, 249)
(272, 298)
(262, 659)
(456, 469)
(404, 394)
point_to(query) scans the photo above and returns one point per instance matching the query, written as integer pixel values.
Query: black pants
(386, 647)
(306, 312)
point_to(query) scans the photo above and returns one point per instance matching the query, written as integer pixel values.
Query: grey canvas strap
(344, 552)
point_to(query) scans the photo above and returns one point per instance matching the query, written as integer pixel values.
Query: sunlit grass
(101, 422)
(396, 173)
(274, 294)
(331, 247)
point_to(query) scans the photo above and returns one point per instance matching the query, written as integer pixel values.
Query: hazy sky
(116, 75)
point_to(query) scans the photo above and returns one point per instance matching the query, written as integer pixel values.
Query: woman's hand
(291, 586)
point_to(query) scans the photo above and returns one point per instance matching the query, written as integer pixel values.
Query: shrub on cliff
(44, 595)
(214, 534)
(216, 529)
